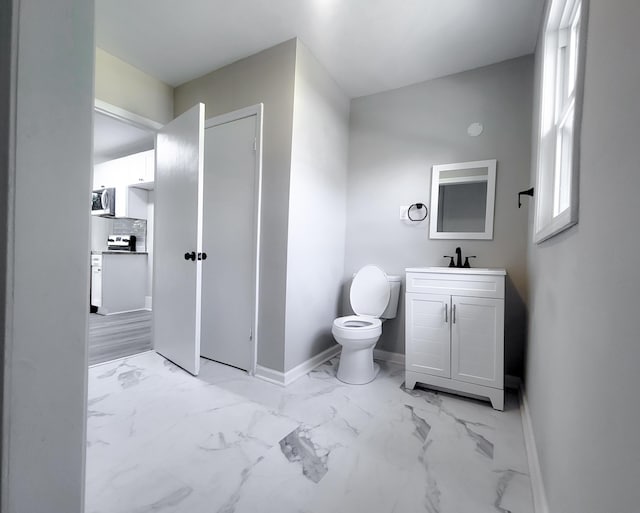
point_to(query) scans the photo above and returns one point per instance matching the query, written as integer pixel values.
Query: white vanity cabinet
(454, 337)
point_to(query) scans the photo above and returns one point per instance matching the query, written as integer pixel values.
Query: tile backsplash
(102, 227)
(137, 227)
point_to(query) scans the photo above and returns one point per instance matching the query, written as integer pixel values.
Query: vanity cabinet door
(477, 335)
(428, 348)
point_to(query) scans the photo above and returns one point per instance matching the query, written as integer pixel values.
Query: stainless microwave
(103, 202)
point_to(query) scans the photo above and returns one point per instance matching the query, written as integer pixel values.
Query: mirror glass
(462, 200)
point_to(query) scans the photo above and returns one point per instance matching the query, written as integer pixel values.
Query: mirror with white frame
(463, 200)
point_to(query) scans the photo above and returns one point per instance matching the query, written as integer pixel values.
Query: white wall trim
(388, 356)
(128, 117)
(123, 358)
(540, 504)
(106, 313)
(270, 375)
(286, 378)
(235, 115)
(256, 110)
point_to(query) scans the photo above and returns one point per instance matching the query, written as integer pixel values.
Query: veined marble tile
(162, 440)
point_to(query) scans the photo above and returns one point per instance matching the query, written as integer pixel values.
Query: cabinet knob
(202, 256)
(190, 256)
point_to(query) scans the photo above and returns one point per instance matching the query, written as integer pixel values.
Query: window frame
(560, 117)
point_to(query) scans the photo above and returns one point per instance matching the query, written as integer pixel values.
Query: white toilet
(374, 298)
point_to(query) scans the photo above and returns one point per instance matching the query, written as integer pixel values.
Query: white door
(229, 232)
(477, 335)
(427, 334)
(178, 239)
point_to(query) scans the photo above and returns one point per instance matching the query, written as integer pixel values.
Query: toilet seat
(370, 291)
(357, 326)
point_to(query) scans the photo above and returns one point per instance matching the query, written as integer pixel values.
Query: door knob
(202, 256)
(190, 256)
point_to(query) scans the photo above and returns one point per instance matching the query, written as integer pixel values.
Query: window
(559, 122)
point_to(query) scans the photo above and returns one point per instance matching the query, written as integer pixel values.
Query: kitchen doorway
(121, 256)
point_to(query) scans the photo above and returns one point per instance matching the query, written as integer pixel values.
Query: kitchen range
(121, 242)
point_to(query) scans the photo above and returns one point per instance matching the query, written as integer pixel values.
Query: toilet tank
(392, 308)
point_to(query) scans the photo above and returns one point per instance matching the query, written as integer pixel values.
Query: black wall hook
(528, 192)
(418, 206)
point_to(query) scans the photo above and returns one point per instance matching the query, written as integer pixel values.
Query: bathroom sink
(457, 270)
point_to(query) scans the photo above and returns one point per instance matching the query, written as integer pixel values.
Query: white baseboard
(105, 312)
(286, 378)
(270, 375)
(388, 356)
(121, 358)
(540, 504)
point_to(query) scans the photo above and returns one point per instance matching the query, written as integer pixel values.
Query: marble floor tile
(160, 440)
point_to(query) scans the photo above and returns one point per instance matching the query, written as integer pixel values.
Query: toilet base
(356, 366)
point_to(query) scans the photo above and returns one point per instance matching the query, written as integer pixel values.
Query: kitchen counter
(116, 252)
(118, 284)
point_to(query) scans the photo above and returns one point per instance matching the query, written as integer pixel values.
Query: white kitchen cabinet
(142, 170)
(136, 170)
(131, 202)
(118, 282)
(455, 330)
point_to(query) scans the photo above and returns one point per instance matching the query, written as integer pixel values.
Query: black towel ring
(418, 206)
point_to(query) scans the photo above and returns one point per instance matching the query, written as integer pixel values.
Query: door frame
(143, 123)
(246, 112)
(126, 116)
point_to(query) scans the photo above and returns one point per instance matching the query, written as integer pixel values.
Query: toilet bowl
(374, 298)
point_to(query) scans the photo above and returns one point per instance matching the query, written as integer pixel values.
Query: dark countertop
(119, 252)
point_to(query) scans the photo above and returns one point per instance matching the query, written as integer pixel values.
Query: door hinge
(255, 144)
(250, 333)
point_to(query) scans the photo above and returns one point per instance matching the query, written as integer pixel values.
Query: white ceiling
(113, 138)
(368, 46)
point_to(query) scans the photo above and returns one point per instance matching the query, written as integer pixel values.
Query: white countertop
(458, 270)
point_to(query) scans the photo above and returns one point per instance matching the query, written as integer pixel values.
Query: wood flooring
(119, 335)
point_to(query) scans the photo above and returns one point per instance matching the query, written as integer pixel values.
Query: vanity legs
(495, 395)
(409, 382)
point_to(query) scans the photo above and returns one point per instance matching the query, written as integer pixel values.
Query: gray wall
(266, 77)
(45, 359)
(584, 351)
(317, 209)
(121, 84)
(6, 90)
(395, 138)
